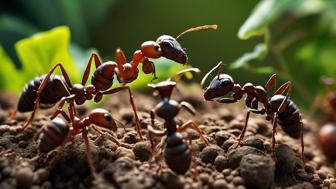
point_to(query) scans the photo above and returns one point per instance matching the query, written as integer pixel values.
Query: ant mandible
(57, 132)
(50, 88)
(278, 108)
(177, 153)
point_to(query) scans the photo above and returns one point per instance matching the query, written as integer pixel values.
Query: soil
(131, 165)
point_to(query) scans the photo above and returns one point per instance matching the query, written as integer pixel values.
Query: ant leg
(188, 107)
(120, 59)
(285, 86)
(137, 122)
(179, 74)
(97, 62)
(242, 134)
(108, 131)
(89, 153)
(41, 88)
(60, 105)
(271, 82)
(158, 133)
(191, 124)
(275, 124)
(302, 144)
(282, 88)
(11, 116)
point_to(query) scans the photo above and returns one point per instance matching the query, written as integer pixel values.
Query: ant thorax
(167, 109)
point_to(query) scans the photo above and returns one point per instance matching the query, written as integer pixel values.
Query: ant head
(165, 88)
(102, 118)
(219, 86)
(171, 49)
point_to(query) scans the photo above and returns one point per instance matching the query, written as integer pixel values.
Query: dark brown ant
(279, 108)
(177, 153)
(49, 89)
(57, 132)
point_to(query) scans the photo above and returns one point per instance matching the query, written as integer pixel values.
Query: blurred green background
(293, 38)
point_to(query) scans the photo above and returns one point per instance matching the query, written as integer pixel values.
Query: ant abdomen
(103, 76)
(53, 135)
(53, 92)
(177, 154)
(290, 118)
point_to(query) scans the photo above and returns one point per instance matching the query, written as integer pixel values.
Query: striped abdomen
(290, 118)
(102, 77)
(53, 92)
(53, 135)
(177, 154)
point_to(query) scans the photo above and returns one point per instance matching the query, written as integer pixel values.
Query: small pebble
(142, 150)
(236, 156)
(124, 152)
(226, 172)
(220, 184)
(326, 183)
(221, 137)
(227, 144)
(221, 163)
(209, 154)
(254, 142)
(238, 181)
(309, 168)
(131, 137)
(24, 177)
(321, 174)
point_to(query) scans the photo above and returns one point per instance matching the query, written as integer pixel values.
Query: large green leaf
(9, 73)
(264, 13)
(43, 50)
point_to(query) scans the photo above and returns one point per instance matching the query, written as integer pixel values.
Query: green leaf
(43, 50)
(263, 70)
(259, 52)
(164, 69)
(9, 73)
(265, 12)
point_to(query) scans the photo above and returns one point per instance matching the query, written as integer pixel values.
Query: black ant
(57, 132)
(278, 108)
(177, 153)
(49, 89)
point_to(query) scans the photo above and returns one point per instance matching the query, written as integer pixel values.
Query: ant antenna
(198, 28)
(179, 74)
(219, 65)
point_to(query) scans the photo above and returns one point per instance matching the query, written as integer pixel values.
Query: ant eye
(108, 117)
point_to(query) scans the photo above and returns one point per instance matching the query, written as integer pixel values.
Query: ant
(177, 153)
(328, 130)
(57, 132)
(49, 89)
(278, 108)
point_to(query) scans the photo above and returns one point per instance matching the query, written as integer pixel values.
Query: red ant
(278, 108)
(177, 153)
(57, 132)
(50, 88)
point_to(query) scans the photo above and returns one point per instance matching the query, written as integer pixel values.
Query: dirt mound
(130, 165)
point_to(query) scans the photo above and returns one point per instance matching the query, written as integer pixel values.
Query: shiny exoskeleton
(49, 89)
(278, 108)
(176, 153)
(57, 132)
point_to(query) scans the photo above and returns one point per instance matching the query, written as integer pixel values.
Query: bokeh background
(294, 38)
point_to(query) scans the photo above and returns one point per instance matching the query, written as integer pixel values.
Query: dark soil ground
(131, 166)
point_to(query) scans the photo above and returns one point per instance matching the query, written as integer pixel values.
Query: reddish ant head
(171, 49)
(219, 86)
(102, 118)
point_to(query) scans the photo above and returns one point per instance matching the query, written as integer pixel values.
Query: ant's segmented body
(50, 89)
(58, 132)
(176, 153)
(278, 108)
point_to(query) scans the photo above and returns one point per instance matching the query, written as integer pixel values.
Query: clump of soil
(128, 163)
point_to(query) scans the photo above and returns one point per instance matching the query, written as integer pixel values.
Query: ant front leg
(59, 109)
(190, 108)
(137, 122)
(97, 62)
(271, 82)
(275, 124)
(191, 124)
(42, 87)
